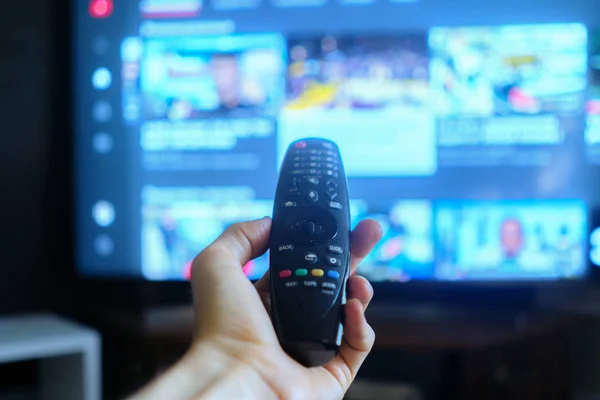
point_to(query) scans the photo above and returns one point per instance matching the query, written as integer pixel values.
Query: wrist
(206, 372)
(225, 375)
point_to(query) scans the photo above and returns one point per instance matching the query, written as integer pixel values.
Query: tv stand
(179, 317)
(431, 311)
(459, 298)
(494, 305)
(483, 352)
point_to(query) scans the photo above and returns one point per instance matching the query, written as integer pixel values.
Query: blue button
(333, 274)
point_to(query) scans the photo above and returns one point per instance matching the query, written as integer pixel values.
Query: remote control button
(314, 172)
(300, 145)
(331, 173)
(328, 285)
(328, 292)
(327, 145)
(333, 274)
(293, 229)
(314, 152)
(311, 258)
(297, 172)
(289, 204)
(301, 272)
(293, 191)
(314, 158)
(285, 274)
(312, 196)
(335, 249)
(317, 272)
(330, 160)
(307, 228)
(335, 205)
(310, 283)
(312, 180)
(311, 165)
(319, 230)
(332, 189)
(324, 222)
(331, 166)
(291, 284)
(286, 247)
(333, 261)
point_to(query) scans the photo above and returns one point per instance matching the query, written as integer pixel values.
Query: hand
(236, 353)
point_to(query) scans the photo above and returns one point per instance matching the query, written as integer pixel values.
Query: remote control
(310, 251)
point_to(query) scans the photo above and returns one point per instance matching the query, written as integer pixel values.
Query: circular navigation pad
(311, 226)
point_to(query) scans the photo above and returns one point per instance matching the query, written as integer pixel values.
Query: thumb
(219, 286)
(245, 240)
(236, 246)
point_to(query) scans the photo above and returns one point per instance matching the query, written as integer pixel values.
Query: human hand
(236, 353)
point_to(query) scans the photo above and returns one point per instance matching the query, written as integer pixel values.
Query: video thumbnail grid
(422, 240)
(415, 103)
(592, 133)
(420, 96)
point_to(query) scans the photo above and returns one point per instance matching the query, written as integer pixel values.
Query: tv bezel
(139, 293)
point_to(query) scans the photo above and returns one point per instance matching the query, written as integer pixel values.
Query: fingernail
(264, 220)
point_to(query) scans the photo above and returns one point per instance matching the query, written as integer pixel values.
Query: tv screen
(470, 131)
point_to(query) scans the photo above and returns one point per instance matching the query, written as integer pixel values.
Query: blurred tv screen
(476, 147)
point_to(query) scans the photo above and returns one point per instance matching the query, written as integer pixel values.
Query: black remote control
(310, 251)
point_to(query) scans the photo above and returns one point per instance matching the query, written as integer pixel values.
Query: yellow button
(317, 272)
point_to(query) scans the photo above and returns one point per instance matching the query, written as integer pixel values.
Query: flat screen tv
(470, 130)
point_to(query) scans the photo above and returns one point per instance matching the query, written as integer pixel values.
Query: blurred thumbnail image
(405, 251)
(358, 211)
(508, 70)
(173, 235)
(338, 88)
(593, 106)
(357, 73)
(215, 76)
(158, 9)
(511, 240)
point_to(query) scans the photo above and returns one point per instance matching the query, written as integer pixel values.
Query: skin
(235, 353)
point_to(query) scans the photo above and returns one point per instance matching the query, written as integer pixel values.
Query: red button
(300, 145)
(285, 274)
(101, 8)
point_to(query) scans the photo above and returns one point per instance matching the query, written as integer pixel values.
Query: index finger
(363, 238)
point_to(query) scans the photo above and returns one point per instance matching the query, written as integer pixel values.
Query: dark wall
(26, 123)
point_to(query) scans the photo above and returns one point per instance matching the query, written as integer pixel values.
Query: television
(470, 131)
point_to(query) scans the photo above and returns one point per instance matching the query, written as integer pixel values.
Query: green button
(301, 272)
